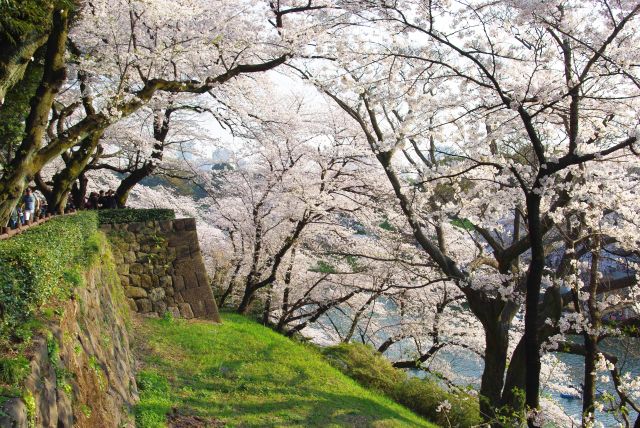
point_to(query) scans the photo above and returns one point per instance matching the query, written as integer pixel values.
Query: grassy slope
(243, 374)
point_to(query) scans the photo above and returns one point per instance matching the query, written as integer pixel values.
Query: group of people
(33, 205)
(96, 201)
(101, 200)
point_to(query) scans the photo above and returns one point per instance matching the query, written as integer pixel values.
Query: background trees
(411, 173)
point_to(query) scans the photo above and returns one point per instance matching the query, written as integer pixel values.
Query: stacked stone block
(161, 268)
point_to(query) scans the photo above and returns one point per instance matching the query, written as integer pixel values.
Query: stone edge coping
(178, 225)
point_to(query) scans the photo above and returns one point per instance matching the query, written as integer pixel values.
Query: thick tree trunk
(26, 163)
(534, 280)
(14, 63)
(10, 193)
(122, 193)
(79, 191)
(495, 363)
(75, 166)
(514, 386)
(247, 299)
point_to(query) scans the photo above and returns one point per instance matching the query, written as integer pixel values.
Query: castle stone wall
(161, 268)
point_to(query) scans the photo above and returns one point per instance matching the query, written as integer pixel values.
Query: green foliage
(360, 362)
(168, 317)
(39, 266)
(387, 226)
(129, 215)
(9, 391)
(96, 368)
(462, 223)
(53, 349)
(30, 404)
(512, 416)
(423, 396)
(240, 373)
(20, 19)
(14, 370)
(86, 410)
(323, 267)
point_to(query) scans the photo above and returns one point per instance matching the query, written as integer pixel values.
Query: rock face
(161, 268)
(82, 369)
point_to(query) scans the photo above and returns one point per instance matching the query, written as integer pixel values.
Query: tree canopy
(425, 177)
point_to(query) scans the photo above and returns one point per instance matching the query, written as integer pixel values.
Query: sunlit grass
(243, 374)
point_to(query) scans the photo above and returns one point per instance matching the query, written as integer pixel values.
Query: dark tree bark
(63, 181)
(161, 124)
(534, 280)
(253, 284)
(25, 164)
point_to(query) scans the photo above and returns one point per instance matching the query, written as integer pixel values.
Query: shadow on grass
(254, 378)
(324, 409)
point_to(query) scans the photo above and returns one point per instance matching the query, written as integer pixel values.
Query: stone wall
(82, 369)
(161, 268)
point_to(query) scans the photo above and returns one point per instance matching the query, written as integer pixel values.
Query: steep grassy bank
(426, 396)
(242, 374)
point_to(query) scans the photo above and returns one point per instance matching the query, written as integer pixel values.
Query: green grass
(244, 375)
(40, 267)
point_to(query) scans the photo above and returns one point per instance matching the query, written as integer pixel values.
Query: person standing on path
(29, 202)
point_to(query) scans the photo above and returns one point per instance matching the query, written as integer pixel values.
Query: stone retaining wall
(82, 371)
(161, 268)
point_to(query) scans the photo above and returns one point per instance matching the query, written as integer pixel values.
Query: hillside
(243, 374)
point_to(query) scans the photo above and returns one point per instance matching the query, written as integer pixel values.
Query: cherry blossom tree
(515, 96)
(131, 51)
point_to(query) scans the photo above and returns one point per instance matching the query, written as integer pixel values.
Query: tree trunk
(10, 194)
(589, 385)
(122, 193)
(495, 363)
(534, 279)
(282, 322)
(75, 166)
(14, 65)
(79, 191)
(247, 299)
(26, 163)
(253, 283)
(267, 306)
(591, 344)
(512, 398)
(229, 290)
(356, 318)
